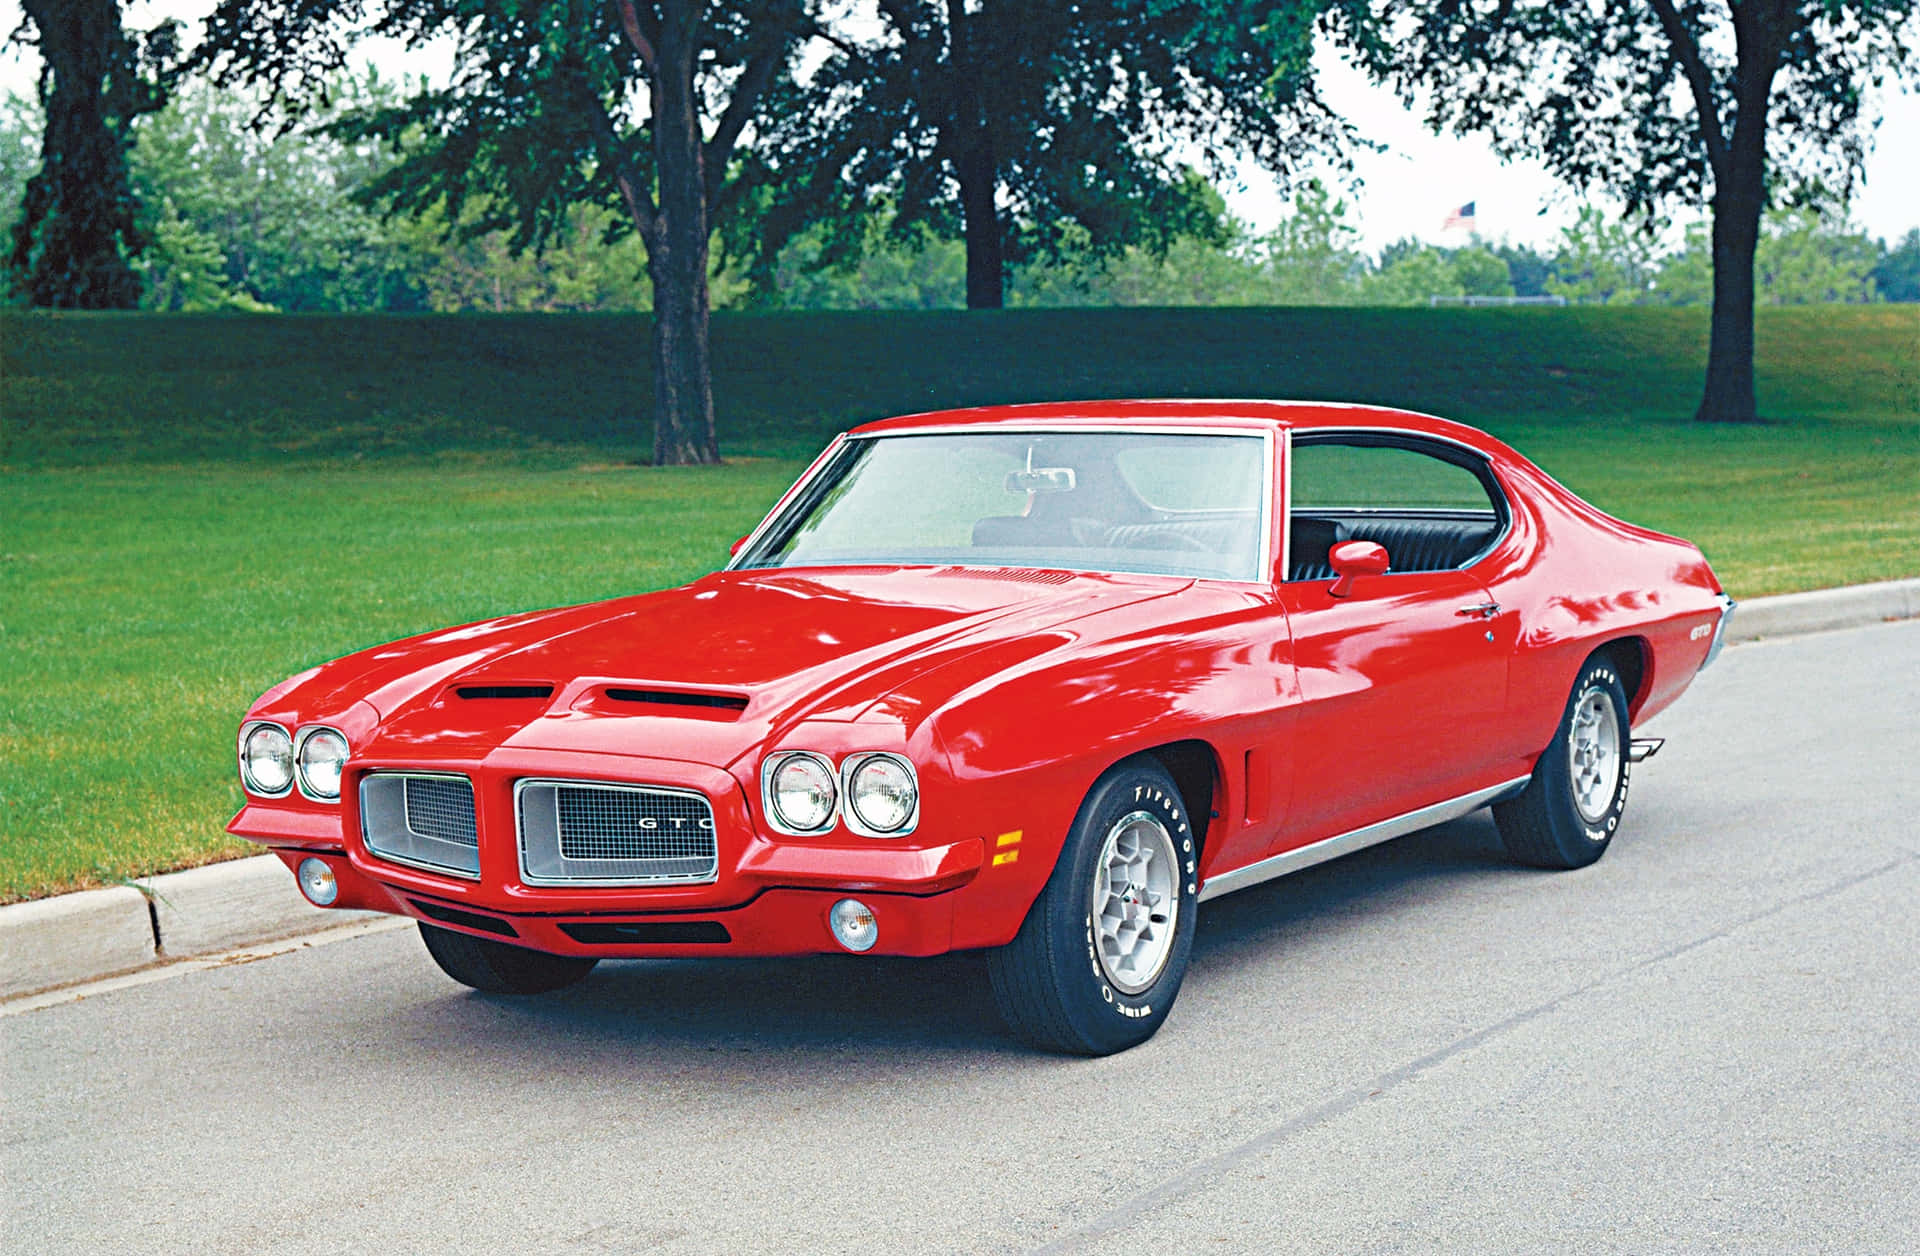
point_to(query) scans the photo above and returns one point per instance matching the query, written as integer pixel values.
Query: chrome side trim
(1359, 839)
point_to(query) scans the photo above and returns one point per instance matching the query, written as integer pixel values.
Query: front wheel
(1571, 807)
(498, 967)
(1101, 954)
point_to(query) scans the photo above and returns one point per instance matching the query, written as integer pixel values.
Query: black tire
(1548, 826)
(1052, 983)
(499, 967)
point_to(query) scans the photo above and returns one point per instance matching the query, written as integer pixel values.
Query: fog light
(853, 925)
(318, 884)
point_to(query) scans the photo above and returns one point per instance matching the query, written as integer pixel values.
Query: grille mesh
(442, 809)
(621, 824)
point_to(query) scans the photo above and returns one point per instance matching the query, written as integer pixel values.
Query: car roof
(1215, 413)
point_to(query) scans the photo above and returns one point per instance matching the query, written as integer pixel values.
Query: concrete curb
(1790, 614)
(223, 907)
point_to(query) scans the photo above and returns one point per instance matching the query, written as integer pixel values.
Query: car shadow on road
(827, 1004)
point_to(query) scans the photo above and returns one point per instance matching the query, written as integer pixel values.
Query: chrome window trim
(1301, 858)
(299, 778)
(1265, 430)
(441, 869)
(554, 782)
(240, 749)
(771, 764)
(851, 815)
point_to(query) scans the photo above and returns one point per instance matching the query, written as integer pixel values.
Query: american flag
(1460, 219)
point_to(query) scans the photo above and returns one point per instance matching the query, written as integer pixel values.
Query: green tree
(1805, 258)
(76, 232)
(1897, 274)
(1721, 102)
(632, 105)
(1313, 256)
(1605, 260)
(279, 207)
(1039, 131)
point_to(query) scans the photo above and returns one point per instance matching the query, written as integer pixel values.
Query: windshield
(1186, 505)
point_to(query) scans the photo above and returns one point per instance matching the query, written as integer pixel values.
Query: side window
(1430, 512)
(1382, 477)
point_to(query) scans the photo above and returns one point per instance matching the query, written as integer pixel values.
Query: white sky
(1405, 190)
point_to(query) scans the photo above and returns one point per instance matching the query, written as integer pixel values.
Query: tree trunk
(986, 250)
(683, 432)
(1729, 396)
(78, 216)
(969, 145)
(1761, 32)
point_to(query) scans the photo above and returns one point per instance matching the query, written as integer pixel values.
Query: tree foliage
(1033, 130)
(1727, 103)
(75, 236)
(630, 106)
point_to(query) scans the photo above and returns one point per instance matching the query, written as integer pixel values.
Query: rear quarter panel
(1582, 579)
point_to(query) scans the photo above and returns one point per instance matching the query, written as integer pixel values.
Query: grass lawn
(192, 509)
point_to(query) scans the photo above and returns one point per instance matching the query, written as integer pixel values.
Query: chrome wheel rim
(1593, 755)
(1136, 901)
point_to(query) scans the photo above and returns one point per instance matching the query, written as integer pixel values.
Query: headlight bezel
(304, 739)
(769, 794)
(253, 786)
(850, 767)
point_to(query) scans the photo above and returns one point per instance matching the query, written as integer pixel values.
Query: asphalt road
(1710, 1041)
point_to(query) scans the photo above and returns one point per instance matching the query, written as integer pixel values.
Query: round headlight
(882, 793)
(322, 758)
(266, 760)
(802, 793)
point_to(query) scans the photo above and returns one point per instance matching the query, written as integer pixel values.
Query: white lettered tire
(1101, 955)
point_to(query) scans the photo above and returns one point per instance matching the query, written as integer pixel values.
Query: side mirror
(733, 551)
(1352, 559)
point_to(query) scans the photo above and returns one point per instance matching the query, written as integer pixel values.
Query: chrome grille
(581, 831)
(422, 819)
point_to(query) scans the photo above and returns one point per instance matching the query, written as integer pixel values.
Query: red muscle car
(1038, 680)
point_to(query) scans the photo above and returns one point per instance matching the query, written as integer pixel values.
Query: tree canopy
(1032, 129)
(1728, 102)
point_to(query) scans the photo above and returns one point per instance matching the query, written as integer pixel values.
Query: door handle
(1482, 610)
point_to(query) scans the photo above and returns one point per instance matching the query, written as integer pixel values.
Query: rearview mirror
(1041, 480)
(734, 550)
(1353, 559)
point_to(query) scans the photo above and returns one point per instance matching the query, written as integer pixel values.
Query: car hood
(709, 671)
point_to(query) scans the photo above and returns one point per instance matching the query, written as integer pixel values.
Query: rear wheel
(1572, 806)
(1101, 955)
(498, 967)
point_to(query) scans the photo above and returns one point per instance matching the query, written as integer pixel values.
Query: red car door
(1399, 684)
(1403, 681)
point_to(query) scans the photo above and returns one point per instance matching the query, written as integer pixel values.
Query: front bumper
(770, 897)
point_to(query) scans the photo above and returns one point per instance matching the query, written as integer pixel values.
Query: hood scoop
(684, 703)
(669, 697)
(473, 693)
